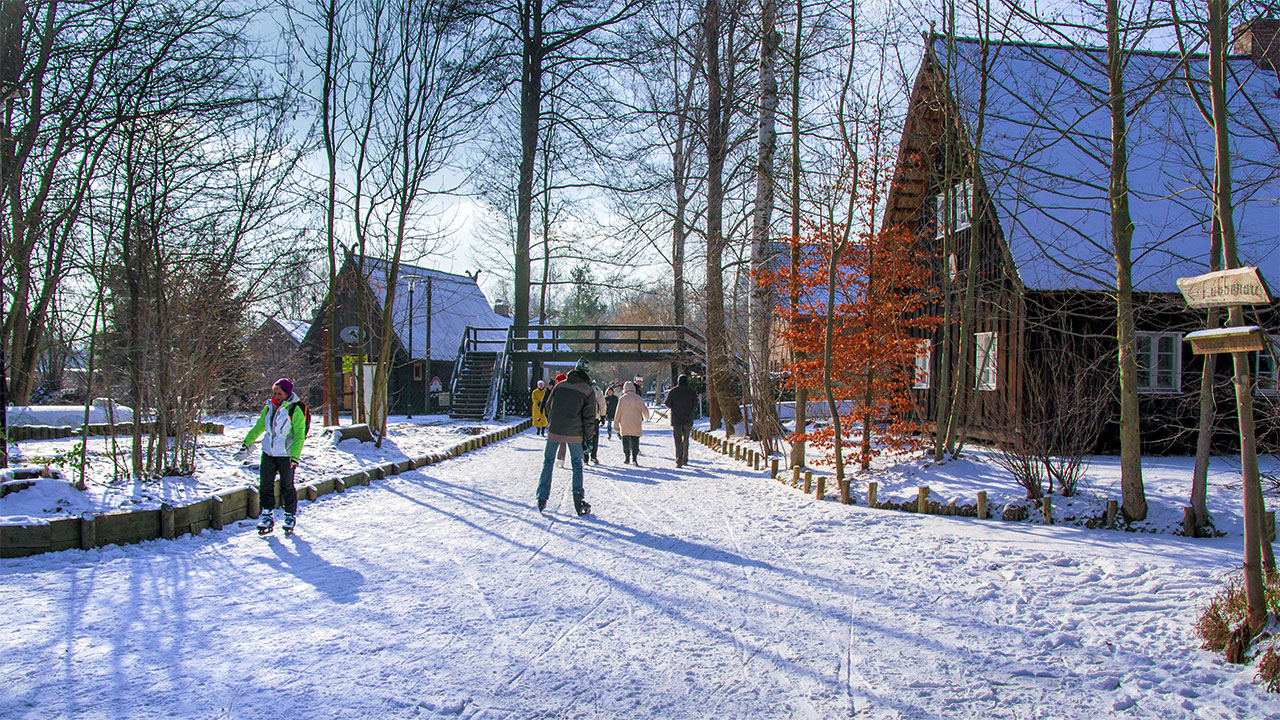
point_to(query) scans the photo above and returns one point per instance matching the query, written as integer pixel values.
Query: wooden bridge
(482, 373)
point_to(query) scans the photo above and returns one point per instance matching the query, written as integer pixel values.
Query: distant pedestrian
(683, 402)
(282, 427)
(610, 407)
(632, 412)
(539, 412)
(571, 417)
(592, 447)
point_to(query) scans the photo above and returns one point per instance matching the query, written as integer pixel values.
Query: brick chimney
(1260, 40)
(502, 309)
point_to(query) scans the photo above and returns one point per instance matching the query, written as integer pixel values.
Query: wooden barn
(1037, 243)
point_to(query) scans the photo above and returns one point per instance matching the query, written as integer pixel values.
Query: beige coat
(631, 412)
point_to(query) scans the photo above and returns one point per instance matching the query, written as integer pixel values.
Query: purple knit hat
(284, 384)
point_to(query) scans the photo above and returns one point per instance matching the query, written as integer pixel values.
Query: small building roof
(454, 303)
(1046, 149)
(297, 329)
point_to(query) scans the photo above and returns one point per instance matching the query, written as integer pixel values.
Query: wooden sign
(1226, 340)
(1242, 286)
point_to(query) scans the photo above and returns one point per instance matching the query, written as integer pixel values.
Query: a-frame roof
(1046, 149)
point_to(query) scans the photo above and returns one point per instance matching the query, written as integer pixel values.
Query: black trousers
(681, 433)
(266, 484)
(630, 446)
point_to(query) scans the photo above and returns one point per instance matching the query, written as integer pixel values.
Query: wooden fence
(22, 433)
(215, 512)
(804, 479)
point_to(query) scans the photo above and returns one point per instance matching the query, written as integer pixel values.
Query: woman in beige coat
(628, 419)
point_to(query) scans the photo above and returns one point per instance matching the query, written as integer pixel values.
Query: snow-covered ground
(708, 592)
(109, 489)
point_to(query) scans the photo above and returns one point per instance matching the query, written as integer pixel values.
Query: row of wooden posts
(804, 479)
(226, 507)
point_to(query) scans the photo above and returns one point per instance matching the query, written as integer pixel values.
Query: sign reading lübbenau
(1242, 286)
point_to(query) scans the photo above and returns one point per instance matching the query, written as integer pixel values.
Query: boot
(542, 504)
(266, 522)
(580, 505)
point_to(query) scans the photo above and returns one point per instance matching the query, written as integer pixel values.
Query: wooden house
(1037, 243)
(427, 330)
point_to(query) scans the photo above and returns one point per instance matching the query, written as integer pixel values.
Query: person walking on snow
(282, 427)
(632, 412)
(592, 448)
(683, 402)
(610, 407)
(539, 413)
(571, 417)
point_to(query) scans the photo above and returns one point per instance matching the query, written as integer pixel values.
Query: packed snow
(705, 592)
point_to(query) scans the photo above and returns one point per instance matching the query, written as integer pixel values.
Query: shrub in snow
(1223, 627)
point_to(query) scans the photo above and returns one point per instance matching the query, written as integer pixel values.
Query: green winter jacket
(284, 431)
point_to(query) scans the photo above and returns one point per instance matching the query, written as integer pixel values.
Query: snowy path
(706, 593)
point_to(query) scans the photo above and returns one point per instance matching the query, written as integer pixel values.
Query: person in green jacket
(282, 427)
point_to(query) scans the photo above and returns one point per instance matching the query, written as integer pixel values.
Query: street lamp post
(411, 279)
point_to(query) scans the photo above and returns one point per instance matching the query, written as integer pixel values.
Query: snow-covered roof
(1046, 153)
(455, 302)
(297, 329)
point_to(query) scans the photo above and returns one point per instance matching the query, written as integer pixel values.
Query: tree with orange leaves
(875, 302)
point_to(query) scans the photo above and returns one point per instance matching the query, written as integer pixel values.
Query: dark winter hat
(583, 366)
(284, 384)
(682, 380)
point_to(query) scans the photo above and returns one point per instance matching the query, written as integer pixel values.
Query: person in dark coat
(683, 402)
(610, 408)
(571, 417)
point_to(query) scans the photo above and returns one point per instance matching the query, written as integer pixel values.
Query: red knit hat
(561, 377)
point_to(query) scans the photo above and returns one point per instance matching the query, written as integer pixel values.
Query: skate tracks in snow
(708, 592)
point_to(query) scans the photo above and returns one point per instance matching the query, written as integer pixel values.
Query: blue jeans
(549, 461)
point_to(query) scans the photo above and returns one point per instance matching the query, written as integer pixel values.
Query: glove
(242, 454)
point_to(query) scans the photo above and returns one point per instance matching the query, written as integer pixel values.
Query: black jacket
(683, 402)
(571, 409)
(610, 405)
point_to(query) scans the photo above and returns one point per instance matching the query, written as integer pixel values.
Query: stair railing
(457, 366)
(493, 408)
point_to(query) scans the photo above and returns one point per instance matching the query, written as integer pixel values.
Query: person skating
(539, 412)
(571, 415)
(683, 402)
(594, 445)
(559, 378)
(610, 407)
(632, 412)
(283, 427)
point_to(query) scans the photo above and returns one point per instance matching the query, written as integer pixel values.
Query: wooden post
(808, 481)
(215, 512)
(253, 503)
(845, 498)
(922, 499)
(1046, 506)
(1188, 522)
(821, 490)
(1112, 508)
(773, 467)
(166, 521)
(795, 476)
(872, 489)
(982, 504)
(310, 492)
(88, 538)
(339, 486)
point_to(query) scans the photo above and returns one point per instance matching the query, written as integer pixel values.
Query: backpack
(305, 413)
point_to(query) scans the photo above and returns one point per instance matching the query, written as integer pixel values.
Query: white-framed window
(924, 359)
(986, 359)
(954, 207)
(1159, 362)
(1266, 371)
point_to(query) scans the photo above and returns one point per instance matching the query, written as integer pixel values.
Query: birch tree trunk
(802, 394)
(764, 413)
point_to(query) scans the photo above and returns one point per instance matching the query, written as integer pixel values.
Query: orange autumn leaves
(882, 312)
